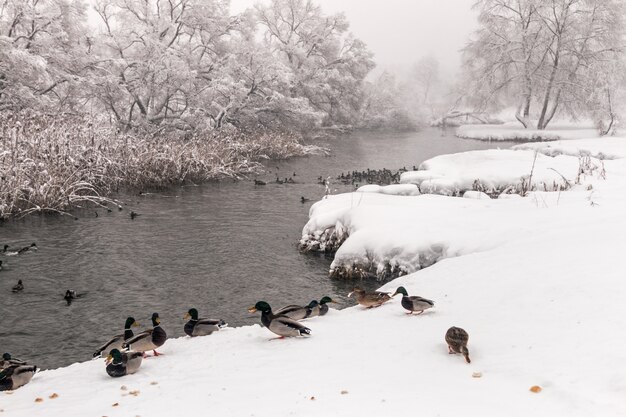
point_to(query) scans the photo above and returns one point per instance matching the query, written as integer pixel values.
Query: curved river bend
(219, 247)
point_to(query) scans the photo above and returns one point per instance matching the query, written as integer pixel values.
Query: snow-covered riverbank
(536, 281)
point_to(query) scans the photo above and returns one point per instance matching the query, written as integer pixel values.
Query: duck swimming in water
(201, 327)
(281, 325)
(18, 287)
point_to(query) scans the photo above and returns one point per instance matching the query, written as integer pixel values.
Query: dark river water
(218, 247)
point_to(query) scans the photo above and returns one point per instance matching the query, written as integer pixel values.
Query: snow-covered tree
(43, 47)
(327, 62)
(541, 53)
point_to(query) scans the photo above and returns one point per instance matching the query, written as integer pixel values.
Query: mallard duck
(281, 325)
(18, 287)
(120, 364)
(304, 199)
(7, 361)
(201, 327)
(149, 339)
(0, 265)
(259, 182)
(5, 249)
(370, 299)
(457, 338)
(324, 304)
(117, 341)
(296, 312)
(413, 303)
(15, 376)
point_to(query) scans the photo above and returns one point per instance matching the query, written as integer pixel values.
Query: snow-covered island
(536, 281)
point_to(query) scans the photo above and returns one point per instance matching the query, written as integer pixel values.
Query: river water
(219, 247)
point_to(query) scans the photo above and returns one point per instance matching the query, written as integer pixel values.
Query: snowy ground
(513, 131)
(536, 282)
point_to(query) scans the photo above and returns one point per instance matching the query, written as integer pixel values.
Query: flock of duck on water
(125, 352)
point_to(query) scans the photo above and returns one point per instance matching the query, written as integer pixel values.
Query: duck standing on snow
(413, 303)
(18, 287)
(281, 325)
(15, 376)
(201, 327)
(149, 339)
(323, 305)
(296, 312)
(7, 361)
(457, 338)
(117, 341)
(120, 364)
(370, 299)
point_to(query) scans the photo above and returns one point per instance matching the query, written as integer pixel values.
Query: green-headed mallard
(201, 327)
(149, 339)
(413, 303)
(15, 376)
(296, 312)
(120, 364)
(323, 304)
(370, 299)
(283, 326)
(457, 338)
(18, 287)
(117, 341)
(7, 361)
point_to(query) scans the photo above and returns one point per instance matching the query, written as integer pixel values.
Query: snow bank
(393, 189)
(605, 148)
(513, 131)
(493, 171)
(537, 282)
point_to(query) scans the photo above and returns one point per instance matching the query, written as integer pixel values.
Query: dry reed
(55, 164)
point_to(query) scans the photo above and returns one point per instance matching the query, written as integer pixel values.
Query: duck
(120, 364)
(7, 252)
(296, 312)
(279, 181)
(0, 265)
(413, 303)
(117, 341)
(18, 287)
(15, 376)
(7, 361)
(149, 339)
(457, 338)
(281, 325)
(259, 182)
(70, 295)
(201, 327)
(133, 215)
(370, 299)
(323, 304)
(304, 199)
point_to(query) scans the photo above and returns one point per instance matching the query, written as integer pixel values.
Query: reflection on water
(218, 247)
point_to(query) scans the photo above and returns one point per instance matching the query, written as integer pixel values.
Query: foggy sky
(401, 31)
